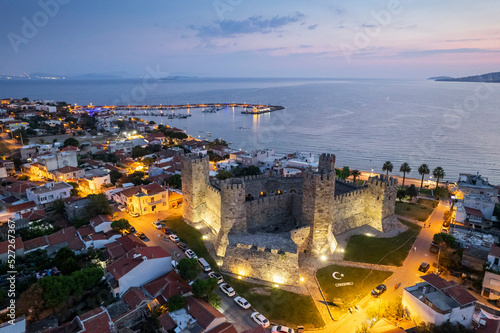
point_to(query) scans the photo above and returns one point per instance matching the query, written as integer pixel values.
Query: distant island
(490, 77)
(178, 77)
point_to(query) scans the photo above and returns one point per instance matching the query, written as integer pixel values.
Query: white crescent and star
(335, 276)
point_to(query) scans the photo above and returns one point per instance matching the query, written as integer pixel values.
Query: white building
(94, 181)
(436, 300)
(137, 267)
(48, 193)
(477, 193)
(65, 157)
(124, 146)
(491, 280)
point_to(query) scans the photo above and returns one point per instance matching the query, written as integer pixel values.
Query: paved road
(239, 317)
(407, 274)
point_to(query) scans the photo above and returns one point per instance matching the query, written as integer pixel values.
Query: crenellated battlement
(382, 181)
(249, 178)
(318, 176)
(347, 182)
(213, 189)
(267, 200)
(194, 158)
(352, 194)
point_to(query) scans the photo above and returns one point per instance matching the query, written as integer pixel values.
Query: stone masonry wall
(271, 185)
(194, 172)
(269, 211)
(212, 213)
(349, 211)
(264, 264)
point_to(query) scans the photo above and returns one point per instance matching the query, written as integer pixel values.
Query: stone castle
(260, 225)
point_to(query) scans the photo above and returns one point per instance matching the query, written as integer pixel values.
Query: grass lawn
(343, 297)
(425, 191)
(279, 306)
(371, 250)
(419, 211)
(191, 236)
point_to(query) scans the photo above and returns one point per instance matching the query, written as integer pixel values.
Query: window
(152, 199)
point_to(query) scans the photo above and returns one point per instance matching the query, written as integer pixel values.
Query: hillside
(490, 77)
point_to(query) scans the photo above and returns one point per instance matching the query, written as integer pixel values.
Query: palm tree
(438, 172)
(387, 167)
(355, 174)
(423, 170)
(404, 168)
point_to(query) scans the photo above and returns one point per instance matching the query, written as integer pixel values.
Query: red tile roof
(67, 169)
(153, 188)
(35, 243)
(167, 285)
(224, 328)
(96, 321)
(203, 312)
(19, 187)
(69, 148)
(63, 235)
(473, 211)
(34, 215)
(125, 264)
(130, 242)
(495, 250)
(114, 250)
(23, 206)
(99, 219)
(450, 288)
(86, 230)
(134, 297)
(4, 246)
(166, 322)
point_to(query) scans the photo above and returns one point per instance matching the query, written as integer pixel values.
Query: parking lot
(236, 315)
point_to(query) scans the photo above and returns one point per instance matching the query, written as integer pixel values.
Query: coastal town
(111, 223)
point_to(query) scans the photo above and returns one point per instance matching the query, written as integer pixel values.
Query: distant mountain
(439, 78)
(178, 77)
(490, 77)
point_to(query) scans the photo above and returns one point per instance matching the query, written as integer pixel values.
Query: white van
(204, 264)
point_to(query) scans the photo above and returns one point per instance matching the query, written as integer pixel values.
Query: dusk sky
(243, 38)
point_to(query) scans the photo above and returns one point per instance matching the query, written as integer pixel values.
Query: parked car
(217, 276)
(242, 302)
(181, 245)
(174, 238)
(132, 229)
(227, 289)
(260, 319)
(133, 214)
(157, 224)
(379, 290)
(190, 254)
(141, 235)
(281, 329)
(424, 267)
(49, 210)
(121, 208)
(167, 231)
(300, 329)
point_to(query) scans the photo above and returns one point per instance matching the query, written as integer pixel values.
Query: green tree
(74, 190)
(387, 167)
(404, 168)
(224, 174)
(202, 287)
(355, 174)
(188, 268)
(175, 303)
(438, 173)
(175, 181)
(59, 206)
(445, 240)
(56, 289)
(71, 142)
(152, 122)
(251, 170)
(65, 260)
(401, 194)
(32, 301)
(121, 224)
(138, 151)
(214, 300)
(148, 161)
(346, 172)
(423, 170)
(441, 192)
(98, 205)
(412, 191)
(114, 175)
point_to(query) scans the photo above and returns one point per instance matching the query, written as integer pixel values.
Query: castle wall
(194, 172)
(254, 185)
(349, 211)
(269, 265)
(212, 214)
(269, 211)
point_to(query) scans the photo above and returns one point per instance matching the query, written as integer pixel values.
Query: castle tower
(194, 170)
(317, 205)
(381, 201)
(233, 212)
